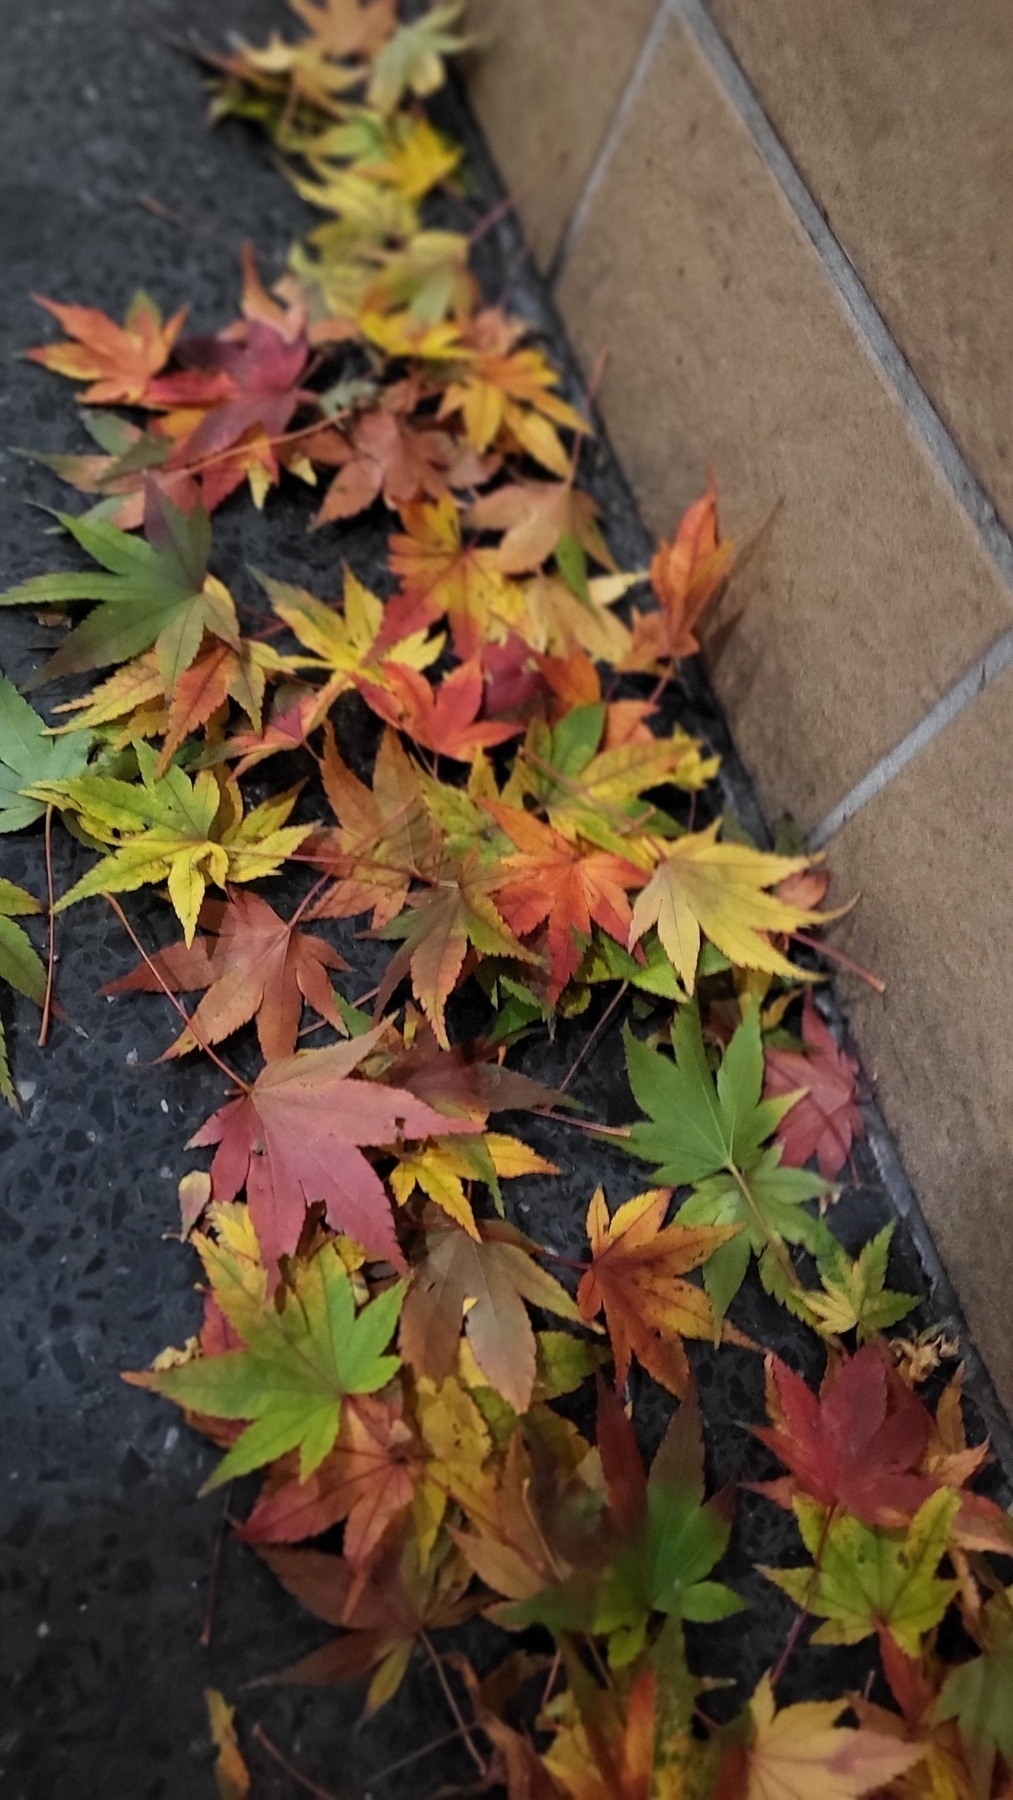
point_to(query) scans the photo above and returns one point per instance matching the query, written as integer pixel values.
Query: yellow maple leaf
(720, 891)
(231, 1774)
(441, 1168)
(801, 1751)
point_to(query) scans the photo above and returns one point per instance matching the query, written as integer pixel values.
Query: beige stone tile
(545, 82)
(932, 857)
(899, 118)
(729, 350)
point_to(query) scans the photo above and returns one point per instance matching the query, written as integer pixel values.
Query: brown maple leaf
(385, 838)
(484, 1285)
(568, 887)
(257, 965)
(382, 455)
(685, 574)
(382, 1610)
(368, 1480)
(296, 1136)
(535, 515)
(118, 360)
(636, 1276)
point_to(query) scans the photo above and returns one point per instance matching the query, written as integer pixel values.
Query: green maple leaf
(300, 1359)
(710, 1132)
(28, 754)
(169, 828)
(979, 1695)
(664, 1567)
(855, 1296)
(20, 966)
(412, 60)
(867, 1579)
(154, 591)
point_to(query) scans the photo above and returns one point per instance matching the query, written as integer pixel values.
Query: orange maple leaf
(636, 1276)
(118, 360)
(685, 576)
(569, 887)
(444, 719)
(440, 574)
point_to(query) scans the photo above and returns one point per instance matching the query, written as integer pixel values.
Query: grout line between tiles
(873, 334)
(610, 143)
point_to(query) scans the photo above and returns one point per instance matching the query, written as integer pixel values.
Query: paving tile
(728, 349)
(932, 857)
(899, 117)
(545, 83)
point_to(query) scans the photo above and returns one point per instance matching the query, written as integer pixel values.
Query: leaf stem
(798, 1624)
(47, 1002)
(294, 1774)
(244, 1086)
(448, 1693)
(775, 1243)
(414, 1756)
(595, 1037)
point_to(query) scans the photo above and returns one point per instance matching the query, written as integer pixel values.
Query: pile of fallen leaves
(378, 1341)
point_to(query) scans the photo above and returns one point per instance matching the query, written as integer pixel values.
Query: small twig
(47, 1003)
(588, 1125)
(214, 1573)
(294, 1774)
(550, 1680)
(838, 956)
(502, 207)
(448, 1694)
(798, 1625)
(403, 1762)
(595, 1037)
(244, 1086)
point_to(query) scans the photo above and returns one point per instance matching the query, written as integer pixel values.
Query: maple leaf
(232, 1777)
(296, 1137)
(685, 576)
(711, 1133)
(416, 157)
(799, 1751)
(718, 890)
(382, 455)
(858, 1444)
(441, 575)
(299, 1359)
(867, 1580)
(412, 60)
(855, 1296)
(661, 1541)
(29, 754)
(636, 1276)
(564, 886)
(347, 28)
(825, 1120)
(535, 516)
(257, 965)
(118, 360)
(439, 1170)
(605, 1745)
(367, 1480)
(977, 1696)
(435, 934)
(485, 1284)
(385, 839)
(382, 1610)
(244, 385)
(156, 592)
(186, 833)
(218, 674)
(444, 720)
(345, 643)
(20, 966)
(501, 388)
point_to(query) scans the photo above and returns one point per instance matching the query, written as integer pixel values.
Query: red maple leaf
(296, 1137)
(826, 1120)
(858, 1444)
(444, 719)
(382, 454)
(258, 965)
(562, 885)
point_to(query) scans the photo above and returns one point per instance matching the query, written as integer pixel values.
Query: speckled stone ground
(104, 1551)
